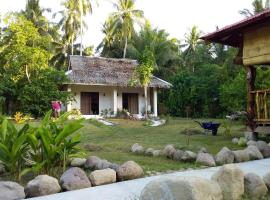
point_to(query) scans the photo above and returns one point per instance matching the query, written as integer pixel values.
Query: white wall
(106, 102)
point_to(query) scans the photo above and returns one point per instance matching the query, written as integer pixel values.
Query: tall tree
(125, 17)
(258, 6)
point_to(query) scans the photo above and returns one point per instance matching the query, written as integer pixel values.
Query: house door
(130, 102)
(89, 103)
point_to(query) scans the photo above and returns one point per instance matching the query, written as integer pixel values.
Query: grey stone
(254, 153)
(149, 152)
(42, 185)
(73, 179)
(261, 145)
(266, 180)
(103, 164)
(114, 166)
(255, 188)
(136, 148)
(92, 162)
(178, 155)
(169, 151)
(157, 153)
(77, 162)
(181, 188)
(224, 156)
(101, 177)
(11, 191)
(252, 143)
(206, 159)
(189, 156)
(241, 156)
(203, 150)
(235, 140)
(129, 170)
(231, 181)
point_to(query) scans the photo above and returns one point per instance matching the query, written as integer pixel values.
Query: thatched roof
(106, 71)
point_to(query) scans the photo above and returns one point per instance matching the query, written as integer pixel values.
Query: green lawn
(114, 143)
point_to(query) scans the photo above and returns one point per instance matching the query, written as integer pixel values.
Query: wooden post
(251, 76)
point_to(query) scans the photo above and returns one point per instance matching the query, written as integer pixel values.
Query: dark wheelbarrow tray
(211, 126)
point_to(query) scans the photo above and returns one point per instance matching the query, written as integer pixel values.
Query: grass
(114, 142)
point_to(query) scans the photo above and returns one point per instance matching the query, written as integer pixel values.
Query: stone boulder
(92, 162)
(203, 150)
(101, 177)
(252, 143)
(73, 179)
(77, 162)
(114, 166)
(129, 170)
(206, 159)
(157, 153)
(136, 148)
(254, 153)
(178, 154)
(231, 181)
(255, 188)
(103, 164)
(264, 148)
(169, 151)
(182, 188)
(149, 152)
(224, 156)
(189, 156)
(11, 191)
(241, 156)
(266, 180)
(235, 140)
(42, 185)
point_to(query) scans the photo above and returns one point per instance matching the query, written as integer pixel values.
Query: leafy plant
(18, 117)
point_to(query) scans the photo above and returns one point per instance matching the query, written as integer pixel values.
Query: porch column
(251, 76)
(155, 99)
(115, 101)
(69, 106)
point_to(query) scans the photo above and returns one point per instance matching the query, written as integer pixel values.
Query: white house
(104, 83)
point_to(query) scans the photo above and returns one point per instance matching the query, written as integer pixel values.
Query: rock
(42, 185)
(252, 143)
(129, 170)
(101, 177)
(103, 164)
(241, 156)
(77, 162)
(266, 180)
(169, 151)
(181, 188)
(235, 140)
(149, 152)
(206, 159)
(231, 181)
(73, 179)
(178, 155)
(189, 156)
(261, 145)
(114, 166)
(203, 150)
(250, 136)
(225, 156)
(255, 188)
(242, 142)
(136, 148)
(92, 162)
(254, 153)
(157, 153)
(11, 191)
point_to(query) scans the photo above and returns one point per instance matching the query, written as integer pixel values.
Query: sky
(175, 16)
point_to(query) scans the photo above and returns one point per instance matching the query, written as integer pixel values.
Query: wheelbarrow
(209, 126)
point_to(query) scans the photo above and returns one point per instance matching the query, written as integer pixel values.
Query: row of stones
(229, 183)
(72, 179)
(255, 151)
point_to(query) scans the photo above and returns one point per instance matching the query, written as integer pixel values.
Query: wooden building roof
(106, 71)
(232, 35)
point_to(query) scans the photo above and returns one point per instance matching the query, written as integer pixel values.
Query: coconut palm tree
(258, 6)
(125, 17)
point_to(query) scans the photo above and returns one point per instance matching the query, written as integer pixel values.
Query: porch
(93, 100)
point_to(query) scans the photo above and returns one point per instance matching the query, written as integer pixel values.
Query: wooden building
(252, 37)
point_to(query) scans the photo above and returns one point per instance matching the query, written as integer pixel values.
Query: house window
(90, 103)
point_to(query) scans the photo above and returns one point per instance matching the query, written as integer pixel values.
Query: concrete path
(130, 190)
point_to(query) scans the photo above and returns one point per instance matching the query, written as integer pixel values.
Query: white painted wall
(106, 102)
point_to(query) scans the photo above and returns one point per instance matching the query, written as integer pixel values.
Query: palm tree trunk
(146, 104)
(81, 28)
(72, 45)
(125, 48)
